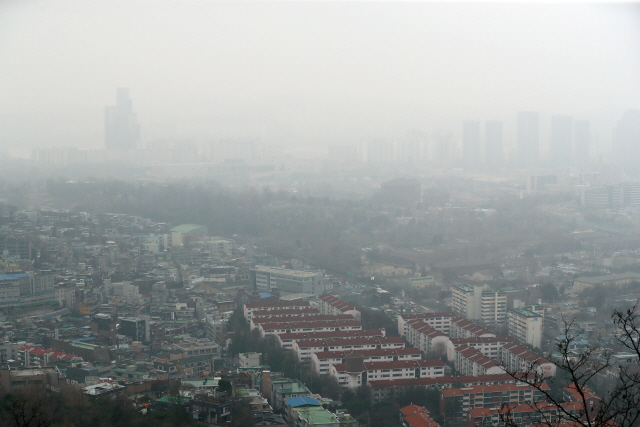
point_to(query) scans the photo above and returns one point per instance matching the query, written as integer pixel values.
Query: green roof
(295, 388)
(317, 415)
(188, 228)
(525, 312)
(174, 399)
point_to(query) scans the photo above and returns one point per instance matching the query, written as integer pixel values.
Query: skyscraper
(470, 142)
(561, 149)
(581, 142)
(121, 128)
(626, 137)
(493, 142)
(528, 149)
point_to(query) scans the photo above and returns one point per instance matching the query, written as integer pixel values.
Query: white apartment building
(469, 361)
(330, 304)
(304, 350)
(487, 346)
(438, 321)
(353, 374)
(250, 307)
(322, 361)
(519, 359)
(287, 340)
(525, 326)
(254, 322)
(480, 303)
(427, 339)
(317, 326)
(463, 328)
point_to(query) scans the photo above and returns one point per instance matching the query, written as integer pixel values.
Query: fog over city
(319, 213)
(311, 74)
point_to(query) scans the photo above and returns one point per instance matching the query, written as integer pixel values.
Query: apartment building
(330, 304)
(480, 303)
(386, 390)
(287, 340)
(429, 340)
(524, 414)
(469, 361)
(488, 346)
(416, 416)
(519, 359)
(355, 372)
(303, 312)
(525, 326)
(317, 326)
(456, 402)
(37, 356)
(464, 328)
(250, 307)
(439, 321)
(320, 362)
(305, 349)
(255, 322)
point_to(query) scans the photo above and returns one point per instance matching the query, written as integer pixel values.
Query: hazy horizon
(309, 73)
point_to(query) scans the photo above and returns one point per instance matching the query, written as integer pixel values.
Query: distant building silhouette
(470, 142)
(528, 149)
(493, 142)
(626, 137)
(121, 128)
(561, 148)
(581, 142)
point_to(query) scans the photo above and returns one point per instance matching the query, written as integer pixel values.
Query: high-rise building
(626, 137)
(528, 149)
(493, 142)
(470, 142)
(580, 142)
(561, 149)
(121, 128)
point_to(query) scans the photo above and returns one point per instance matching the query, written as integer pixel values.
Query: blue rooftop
(294, 402)
(265, 294)
(13, 276)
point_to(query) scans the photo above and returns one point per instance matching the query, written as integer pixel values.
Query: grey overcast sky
(306, 72)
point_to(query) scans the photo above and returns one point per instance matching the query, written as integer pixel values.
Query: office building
(581, 142)
(561, 148)
(626, 137)
(528, 140)
(137, 328)
(121, 128)
(493, 142)
(291, 281)
(470, 142)
(525, 326)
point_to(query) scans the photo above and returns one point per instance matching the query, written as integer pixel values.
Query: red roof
(301, 319)
(397, 351)
(298, 336)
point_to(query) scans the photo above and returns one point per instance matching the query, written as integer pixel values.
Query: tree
(27, 409)
(225, 386)
(241, 413)
(580, 371)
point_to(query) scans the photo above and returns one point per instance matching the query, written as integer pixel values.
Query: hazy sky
(307, 72)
